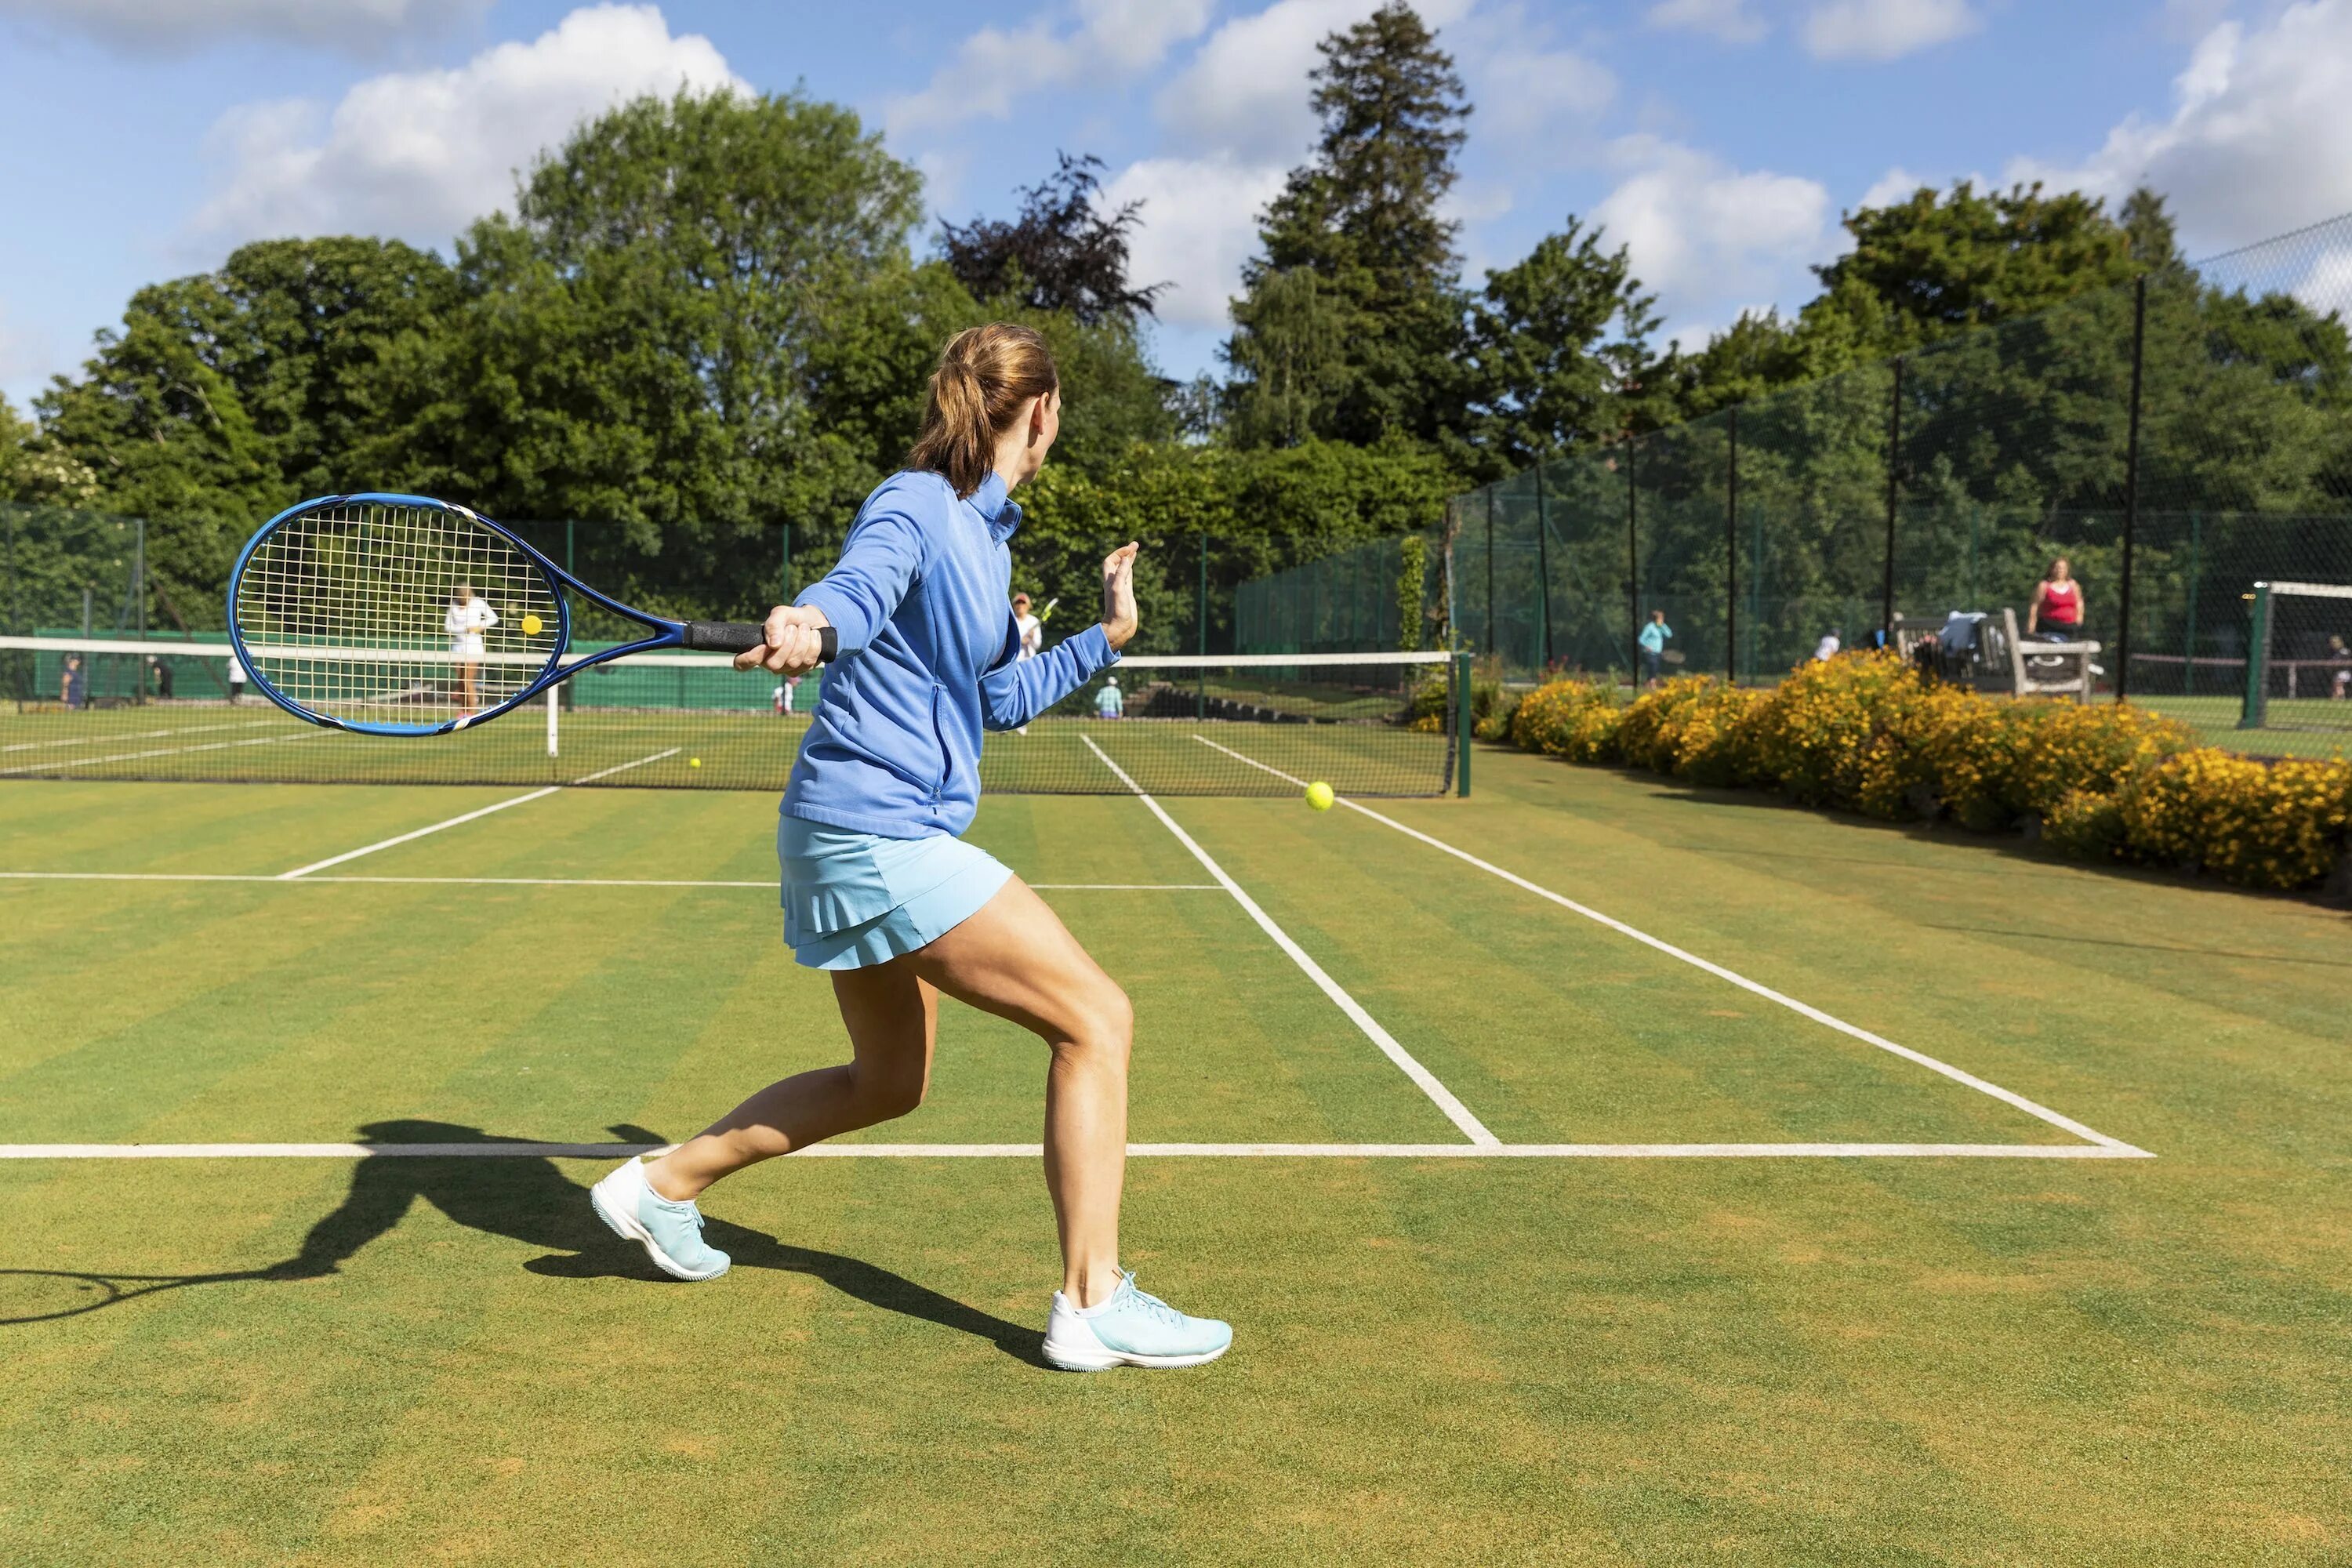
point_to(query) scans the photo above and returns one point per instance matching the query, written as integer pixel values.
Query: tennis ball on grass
(1319, 795)
(531, 625)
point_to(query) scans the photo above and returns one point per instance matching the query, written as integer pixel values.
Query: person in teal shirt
(1653, 645)
(1109, 702)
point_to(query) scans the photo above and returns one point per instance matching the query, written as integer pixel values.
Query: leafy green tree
(1349, 322)
(1063, 252)
(1558, 349)
(35, 471)
(1932, 265)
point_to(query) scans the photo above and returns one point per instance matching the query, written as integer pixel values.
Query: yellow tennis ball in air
(531, 625)
(694, 762)
(1319, 795)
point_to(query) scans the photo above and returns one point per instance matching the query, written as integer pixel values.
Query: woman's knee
(885, 1093)
(1103, 1024)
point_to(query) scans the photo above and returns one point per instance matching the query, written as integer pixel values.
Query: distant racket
(1047, 613)
(393, 615)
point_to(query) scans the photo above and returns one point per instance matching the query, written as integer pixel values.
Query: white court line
(134, 735)
(1456, 1111)
(769, 885)
(489, 1150)
(159, 752)
(301, 871)
(624, 767)
(1982, 1085)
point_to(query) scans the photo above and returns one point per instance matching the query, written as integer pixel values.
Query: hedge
(1864, 733)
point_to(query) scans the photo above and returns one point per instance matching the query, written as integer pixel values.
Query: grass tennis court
(1598, 1341)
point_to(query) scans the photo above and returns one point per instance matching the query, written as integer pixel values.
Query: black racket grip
(743, 637)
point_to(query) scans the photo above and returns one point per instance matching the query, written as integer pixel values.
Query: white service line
(624, 767)
(769, 886)
(132, 735)
(160, 752)
(1456, 1111)
(1957, 1075)
(300, 871)
(517, 1151)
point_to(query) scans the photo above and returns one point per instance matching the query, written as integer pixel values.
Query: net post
(1462, 725)
(1543, 578)
(550, 721)
(1632, 567)
(2258, 661)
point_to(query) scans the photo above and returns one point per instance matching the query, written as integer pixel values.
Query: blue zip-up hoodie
(925, 661)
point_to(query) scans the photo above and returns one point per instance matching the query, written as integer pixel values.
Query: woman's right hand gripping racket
(397, 615)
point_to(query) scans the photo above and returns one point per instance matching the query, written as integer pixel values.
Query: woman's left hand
(1118, 618)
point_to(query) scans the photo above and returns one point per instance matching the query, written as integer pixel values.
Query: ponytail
(986, 376)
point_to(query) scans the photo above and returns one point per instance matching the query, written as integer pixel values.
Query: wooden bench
(2005, 661)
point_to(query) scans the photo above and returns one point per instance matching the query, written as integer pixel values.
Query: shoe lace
(1151, 1303)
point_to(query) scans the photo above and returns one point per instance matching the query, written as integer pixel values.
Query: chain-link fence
(2177, 442)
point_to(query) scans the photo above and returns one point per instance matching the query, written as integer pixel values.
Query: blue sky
(1719, 139)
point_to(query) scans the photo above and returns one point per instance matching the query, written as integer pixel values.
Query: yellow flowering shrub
(1573, 718)
(1864, 733)
(2277, 825)
(1689, 727)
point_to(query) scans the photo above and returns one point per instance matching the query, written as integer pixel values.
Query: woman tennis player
(878, 889)
(467, 618)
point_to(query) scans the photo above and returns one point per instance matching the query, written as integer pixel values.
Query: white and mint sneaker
(671, 1233)
(1134, 1328)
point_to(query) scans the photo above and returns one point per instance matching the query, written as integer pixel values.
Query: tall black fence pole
(1731, 556)
(1490, 570)
(1893, 497)
(2131, 497)
(1543, 576)
(1632, 567)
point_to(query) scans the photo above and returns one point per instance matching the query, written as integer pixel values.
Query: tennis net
(1373, 724)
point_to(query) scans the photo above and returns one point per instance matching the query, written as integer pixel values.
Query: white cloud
(1245, 91)
(418, 154)
(1727, 21)
(995, 65)
(174, 27)
(1523, 93)
(1898, 183)
(1884, 30)
(1200, 224)
(2258, 139)
(1702, 233)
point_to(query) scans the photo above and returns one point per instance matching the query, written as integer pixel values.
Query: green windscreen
(1378, 724)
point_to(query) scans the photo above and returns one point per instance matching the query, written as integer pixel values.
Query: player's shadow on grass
(529, 1200)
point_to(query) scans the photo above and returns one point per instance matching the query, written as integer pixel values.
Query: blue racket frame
(666, 633)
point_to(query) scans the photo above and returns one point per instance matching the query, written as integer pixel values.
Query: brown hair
(985, 375)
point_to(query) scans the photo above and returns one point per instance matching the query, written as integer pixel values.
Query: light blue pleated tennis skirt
(853, 898)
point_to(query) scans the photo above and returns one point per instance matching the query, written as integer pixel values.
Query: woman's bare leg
(1015, 958)
(893, 1020)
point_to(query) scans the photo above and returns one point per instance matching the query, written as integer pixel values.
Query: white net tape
(395, 614)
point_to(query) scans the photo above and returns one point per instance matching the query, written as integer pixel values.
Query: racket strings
(364, 607)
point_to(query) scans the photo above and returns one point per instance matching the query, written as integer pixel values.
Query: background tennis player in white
(469, 616)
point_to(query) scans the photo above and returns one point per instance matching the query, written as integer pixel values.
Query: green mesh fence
(2180, 441)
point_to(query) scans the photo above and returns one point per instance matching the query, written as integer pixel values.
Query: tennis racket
(393, 614)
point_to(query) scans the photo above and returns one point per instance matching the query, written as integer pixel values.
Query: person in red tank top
(2056, 613)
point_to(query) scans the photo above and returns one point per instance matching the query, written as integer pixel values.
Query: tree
(1557, 348)
(1929, 266)
(35, 471)
(1063, 253)
(1351, 318)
